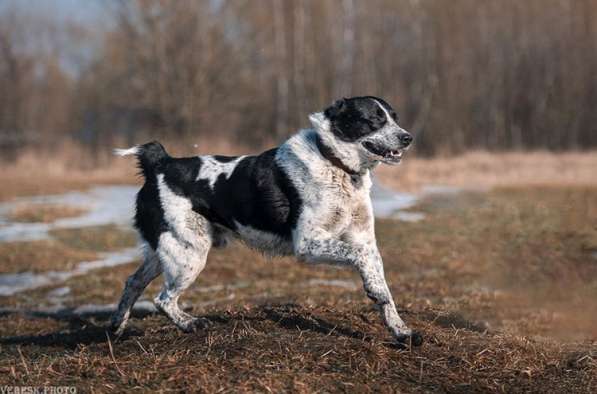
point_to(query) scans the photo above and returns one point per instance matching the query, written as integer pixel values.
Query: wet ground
(112, 205)
(502, 283)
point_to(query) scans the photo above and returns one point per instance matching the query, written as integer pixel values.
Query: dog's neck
(343, 155)
(329, 154)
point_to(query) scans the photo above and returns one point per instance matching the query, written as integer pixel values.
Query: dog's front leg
(368, 262)
(376, 287)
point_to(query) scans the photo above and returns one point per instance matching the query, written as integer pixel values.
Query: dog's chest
(346, 202)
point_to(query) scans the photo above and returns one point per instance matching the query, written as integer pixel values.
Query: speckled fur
(335, 224)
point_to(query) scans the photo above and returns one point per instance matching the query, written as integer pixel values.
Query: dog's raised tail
(148, 156)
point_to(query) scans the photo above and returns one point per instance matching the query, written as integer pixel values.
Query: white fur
(388, 117)
(211, 169)
(336, 225)
(126, 152)
(182, 252)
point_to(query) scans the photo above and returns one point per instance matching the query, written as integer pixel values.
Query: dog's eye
(395, 116)
(380, 113)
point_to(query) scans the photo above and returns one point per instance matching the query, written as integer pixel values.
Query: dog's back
(248, 196)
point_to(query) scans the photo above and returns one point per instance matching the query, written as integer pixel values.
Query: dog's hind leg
(182, 261)
(135, 284)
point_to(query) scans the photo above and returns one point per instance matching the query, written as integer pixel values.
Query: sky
(86, 11)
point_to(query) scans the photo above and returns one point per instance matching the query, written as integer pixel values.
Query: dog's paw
(414, 339)
(117, 328)
(195, 324)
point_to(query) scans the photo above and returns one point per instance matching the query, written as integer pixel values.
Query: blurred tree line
(491, 74)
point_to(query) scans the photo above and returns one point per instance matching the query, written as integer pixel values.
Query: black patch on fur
(149, 157)
(354, 118)
(258, 193)
(224, 159)
(149, 215)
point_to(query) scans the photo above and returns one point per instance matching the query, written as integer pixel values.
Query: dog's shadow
(291, 316)
(83, 330)
(78, 332)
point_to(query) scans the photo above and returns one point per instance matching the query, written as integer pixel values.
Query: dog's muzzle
(405, 139)
(389, 154)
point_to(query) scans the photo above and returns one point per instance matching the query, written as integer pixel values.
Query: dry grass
(71, 169)
(484, 170)
(494, 281)
(39, 256)
(502, 284)
(96, 238)
(288, 347)
(43, 213)
(66, 248)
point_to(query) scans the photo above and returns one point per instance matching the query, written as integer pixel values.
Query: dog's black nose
(405, 139)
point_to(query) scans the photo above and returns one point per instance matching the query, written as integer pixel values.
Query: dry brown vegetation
(484, 170)
(495, 281)
(43, 213)
(64, 250)
(464, 74)
(501, 279)
(70, 169)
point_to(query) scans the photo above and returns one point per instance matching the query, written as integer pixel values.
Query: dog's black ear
(335, 109)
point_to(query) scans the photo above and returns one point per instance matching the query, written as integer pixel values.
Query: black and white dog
(308, 197)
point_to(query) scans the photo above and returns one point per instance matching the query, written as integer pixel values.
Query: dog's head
(362, 131)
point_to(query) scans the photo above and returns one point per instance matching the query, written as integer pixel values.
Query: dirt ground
(502, 283)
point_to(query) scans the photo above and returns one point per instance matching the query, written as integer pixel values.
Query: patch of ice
(216, 288)
(59, 292)
(345, 284)
(386, 202)
(105, 204)
(14, 283)
(440, 189)
(409, 216)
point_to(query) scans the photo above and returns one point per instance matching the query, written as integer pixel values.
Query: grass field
(502, 283)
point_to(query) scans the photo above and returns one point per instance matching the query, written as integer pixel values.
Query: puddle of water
(14, 283)
(345, 284)
(440, 189)
(391, 204)
(216, 288)
(387, 202)
(409, 216)
(105, 204)
(59, 292)
(114, 205)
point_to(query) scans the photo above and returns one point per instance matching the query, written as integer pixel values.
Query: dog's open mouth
(387, 155)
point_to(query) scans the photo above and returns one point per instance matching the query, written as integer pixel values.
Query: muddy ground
(502, 284)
